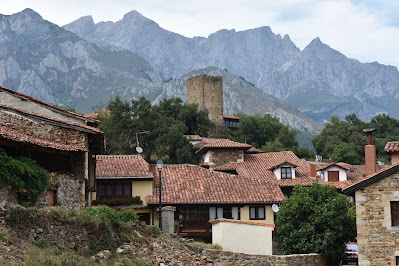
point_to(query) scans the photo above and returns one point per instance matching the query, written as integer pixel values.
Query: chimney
(370, 152)
(313, 171)
(153, 170)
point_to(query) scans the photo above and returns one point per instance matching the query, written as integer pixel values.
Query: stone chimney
(370, 152)
(313, 171)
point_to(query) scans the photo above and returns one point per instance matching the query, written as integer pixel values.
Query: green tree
(316, 219)
(23, 177)
(339, 137)
(167, 122)
(266, 131)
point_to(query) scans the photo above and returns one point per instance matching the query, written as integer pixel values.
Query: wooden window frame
(394, 208)
(257, 213)
(113, 185)
(328, 176)
(284, 174)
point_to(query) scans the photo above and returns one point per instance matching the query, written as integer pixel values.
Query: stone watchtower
(207, 92)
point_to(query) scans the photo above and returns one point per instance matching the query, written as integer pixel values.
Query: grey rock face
(241, 96)
(45, 61)
(319, 81)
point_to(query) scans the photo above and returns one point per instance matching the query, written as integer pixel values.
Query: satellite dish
(139, 149)
(275, 208)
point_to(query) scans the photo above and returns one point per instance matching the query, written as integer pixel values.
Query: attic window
(286, 173)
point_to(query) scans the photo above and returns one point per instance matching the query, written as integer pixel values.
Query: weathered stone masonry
(44, 131)
(378, 241)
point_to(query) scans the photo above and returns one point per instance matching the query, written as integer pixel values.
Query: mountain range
(83, 64)
(318, 80)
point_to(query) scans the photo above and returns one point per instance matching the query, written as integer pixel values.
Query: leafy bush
(24, 177)
(118, 201)
(42, 243)
(111, 221)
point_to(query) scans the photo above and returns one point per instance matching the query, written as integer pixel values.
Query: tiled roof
(95, 114)
(325, 166)
(392, 146)
(380, 174)
(14, 135)
(354, 173)
(231, 117)
(240, 222)
(193, 137)
(254, 150)
(60, 122)
(48, 105)
(258, 166)
(119, 166)
(191, 184)
(285, 162)
(211, 143)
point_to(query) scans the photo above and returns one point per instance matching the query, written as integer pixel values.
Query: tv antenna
(138, 148)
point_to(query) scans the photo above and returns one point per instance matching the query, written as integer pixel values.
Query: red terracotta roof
(191, 184)
(76, 126)
(193, 137)
(48, 105)
(14, 135)
(392, 147)
(96, 113)
(370, 179)
(240, 222)
(354, 173)
(119, 166)
(321, 167)
(211, 143)
(254, 150)
(231, 117)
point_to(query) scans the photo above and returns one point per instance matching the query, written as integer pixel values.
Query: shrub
(4, 237)
(51, 256)
(24, 177)
(19, 216)
(42, 243)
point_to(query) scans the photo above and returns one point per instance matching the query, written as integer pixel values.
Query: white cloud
(366, 30)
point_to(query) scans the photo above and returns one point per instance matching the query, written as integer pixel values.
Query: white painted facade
(243, 237)
(277, 171)
(324, 173)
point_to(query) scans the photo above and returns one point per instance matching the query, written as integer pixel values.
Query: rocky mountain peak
(136, 18)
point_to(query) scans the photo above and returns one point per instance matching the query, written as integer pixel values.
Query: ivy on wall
(23, 177)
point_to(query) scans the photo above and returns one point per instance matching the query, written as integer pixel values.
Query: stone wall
(222, 156)
(376, 237)
(5, 197)
(234, 258)
(70, 191)
(207, 92)
(44, 131)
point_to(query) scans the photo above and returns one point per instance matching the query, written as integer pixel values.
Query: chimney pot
(370, 152)
(313, 171)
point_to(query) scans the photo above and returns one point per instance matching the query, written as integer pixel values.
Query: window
(286, 172)
(224, 212)
(257, 213)
(333, 176)
(395, 213)
(114, 189)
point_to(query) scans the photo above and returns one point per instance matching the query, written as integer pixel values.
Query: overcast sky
(366, 30)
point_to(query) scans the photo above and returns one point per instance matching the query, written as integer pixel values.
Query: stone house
(376, 199)
(62, 142)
